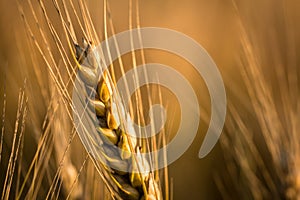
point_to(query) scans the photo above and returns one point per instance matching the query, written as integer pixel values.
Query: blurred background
(255, 45)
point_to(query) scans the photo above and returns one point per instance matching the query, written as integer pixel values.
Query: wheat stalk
(112, 127)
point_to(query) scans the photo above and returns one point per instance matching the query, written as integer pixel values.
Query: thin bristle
(3, 117)
(77, 177)
(16, 142)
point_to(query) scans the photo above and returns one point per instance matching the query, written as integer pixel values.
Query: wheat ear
(114, 122)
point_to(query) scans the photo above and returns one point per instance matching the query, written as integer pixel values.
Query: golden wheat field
(47, 150)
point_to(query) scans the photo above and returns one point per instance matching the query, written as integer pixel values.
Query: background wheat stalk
(264, 163)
